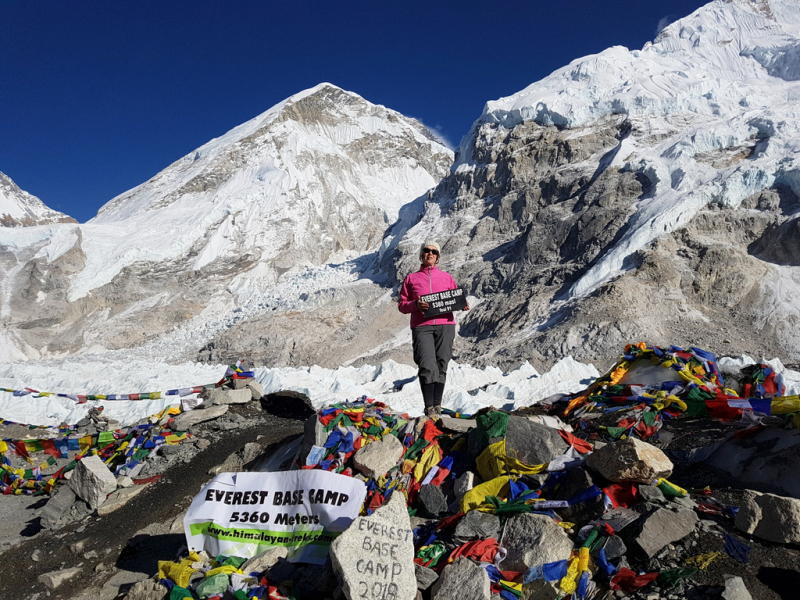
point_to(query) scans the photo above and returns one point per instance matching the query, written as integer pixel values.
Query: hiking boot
(430, 412)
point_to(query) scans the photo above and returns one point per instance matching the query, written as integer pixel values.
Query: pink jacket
(425, 281)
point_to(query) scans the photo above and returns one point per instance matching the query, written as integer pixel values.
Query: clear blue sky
(98, 96)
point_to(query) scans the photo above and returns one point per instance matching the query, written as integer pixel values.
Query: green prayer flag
(670, 577)
(177, 592)
(615, 432)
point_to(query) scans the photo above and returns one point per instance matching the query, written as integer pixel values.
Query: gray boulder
(533, 443)
(425, 577)
(533, 540)
(58, 506)
(434, 503)
(462, 580)
(655, 530)
(256, 389)
(92, 481)
(375, 459)
(476, 525)
(769, 517)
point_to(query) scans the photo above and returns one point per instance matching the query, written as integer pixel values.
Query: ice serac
(18, 208)
(632, 191)
(314, 179)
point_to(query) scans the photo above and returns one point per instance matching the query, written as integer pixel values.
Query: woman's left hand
(466, 307)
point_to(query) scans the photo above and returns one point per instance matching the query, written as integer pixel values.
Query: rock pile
(484, 522)
(518, 505)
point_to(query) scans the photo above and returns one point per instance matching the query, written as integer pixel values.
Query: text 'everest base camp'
(164, 437)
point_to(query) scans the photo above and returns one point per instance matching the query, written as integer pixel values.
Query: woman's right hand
(422, 306)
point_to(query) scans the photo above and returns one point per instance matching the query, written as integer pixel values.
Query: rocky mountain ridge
(634, 195)
(18, 208)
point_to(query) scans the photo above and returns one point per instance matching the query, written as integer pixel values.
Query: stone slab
(194, 417)
(55, 578)
(462, 580)
(58, 506)
(458, 425)
(119, 499)
(222, 396)
(657, 529)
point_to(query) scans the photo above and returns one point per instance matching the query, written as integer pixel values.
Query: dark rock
(316, 582)
(650, 493)
(425, 577)
(476, 525)
(614, 547)
(433, 500)
(531, 442)
(283, 570)
(654, 530)
(573, 482)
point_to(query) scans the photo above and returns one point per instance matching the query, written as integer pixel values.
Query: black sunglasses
(430, 251)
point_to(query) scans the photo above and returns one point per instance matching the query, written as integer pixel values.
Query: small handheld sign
(444, 302)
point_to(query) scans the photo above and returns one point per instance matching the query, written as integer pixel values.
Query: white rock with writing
(375, 556)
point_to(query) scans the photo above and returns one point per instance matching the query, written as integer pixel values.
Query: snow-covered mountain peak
(691, 66)
(314, 179)
(320, 172)
(18, 208)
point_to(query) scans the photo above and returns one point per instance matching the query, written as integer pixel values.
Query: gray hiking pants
(433, 347)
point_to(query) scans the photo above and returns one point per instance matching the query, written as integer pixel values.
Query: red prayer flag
(622, 494)
(627, 581)
(580, 445)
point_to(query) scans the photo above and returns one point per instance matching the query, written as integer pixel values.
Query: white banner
(243, 514)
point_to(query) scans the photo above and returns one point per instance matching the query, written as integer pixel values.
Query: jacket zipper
(430, 287)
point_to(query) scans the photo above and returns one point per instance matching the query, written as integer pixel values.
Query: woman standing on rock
(432, 337)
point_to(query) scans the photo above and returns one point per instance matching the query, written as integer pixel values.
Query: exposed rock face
(585, 218)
